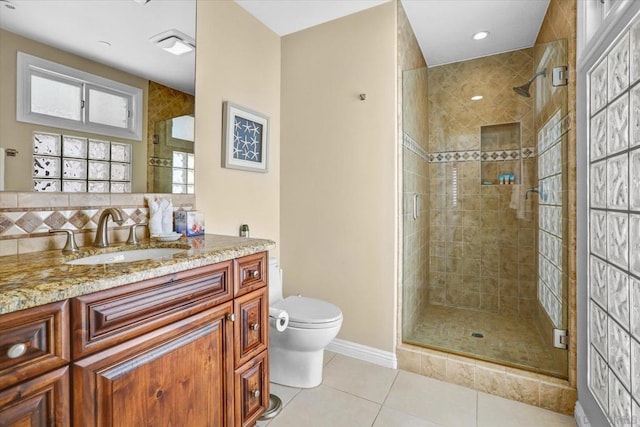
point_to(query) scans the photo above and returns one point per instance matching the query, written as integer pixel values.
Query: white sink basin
(127, 256)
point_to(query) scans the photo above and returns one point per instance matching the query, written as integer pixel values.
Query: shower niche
(500, 154)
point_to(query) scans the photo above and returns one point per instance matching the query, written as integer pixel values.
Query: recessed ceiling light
(481, 35)
(476, 97)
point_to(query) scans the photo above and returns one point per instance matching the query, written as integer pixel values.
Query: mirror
(126, 41)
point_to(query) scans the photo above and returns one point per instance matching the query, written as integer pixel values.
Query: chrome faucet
(102, 240)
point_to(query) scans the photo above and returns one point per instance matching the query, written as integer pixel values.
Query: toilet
(296, 354)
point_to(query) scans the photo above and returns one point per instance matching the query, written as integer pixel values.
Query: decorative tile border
(159, 161)
(466, 155)
(19, 223)
(486, 156)
(411, 144)
(454, 156)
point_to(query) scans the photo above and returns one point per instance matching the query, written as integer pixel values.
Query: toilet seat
(309, 313)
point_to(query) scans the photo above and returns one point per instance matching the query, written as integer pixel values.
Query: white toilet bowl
(296, 354)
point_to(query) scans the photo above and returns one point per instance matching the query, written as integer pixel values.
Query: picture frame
(245, 139)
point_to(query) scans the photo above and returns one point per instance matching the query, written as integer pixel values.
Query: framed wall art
(245, 139)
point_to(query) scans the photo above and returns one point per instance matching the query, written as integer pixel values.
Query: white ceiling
(443, 28)
(79, 26)
(289, 16)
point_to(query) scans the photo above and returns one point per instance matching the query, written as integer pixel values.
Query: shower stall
(485, 208)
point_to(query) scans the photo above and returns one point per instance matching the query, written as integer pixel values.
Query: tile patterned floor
(507, 338)
(356, 393)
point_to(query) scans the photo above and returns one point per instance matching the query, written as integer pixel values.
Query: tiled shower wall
(481, 255)
(614, 229)
(413, 134)
(26, 218)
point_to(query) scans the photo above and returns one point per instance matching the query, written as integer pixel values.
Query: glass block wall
(550, 218)
(75, 164)
(614, 229)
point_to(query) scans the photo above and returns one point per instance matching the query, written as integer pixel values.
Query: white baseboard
(363, 352)
(580, 416)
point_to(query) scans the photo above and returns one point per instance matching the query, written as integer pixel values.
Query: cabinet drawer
(252, 391)
(33, 341)
(40, 402)
(251, 327)
(251, 273)
(107, 318)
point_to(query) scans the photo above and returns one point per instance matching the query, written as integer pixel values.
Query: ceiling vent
(174, 41)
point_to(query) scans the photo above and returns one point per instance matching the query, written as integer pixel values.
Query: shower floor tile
(506, 339)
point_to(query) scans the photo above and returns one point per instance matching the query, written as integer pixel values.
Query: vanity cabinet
(189, 348)
(176, 375)
(34, 377)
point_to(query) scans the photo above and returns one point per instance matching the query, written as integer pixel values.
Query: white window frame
(29, 65)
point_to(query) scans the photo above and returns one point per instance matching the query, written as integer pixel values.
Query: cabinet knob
(255, 273)
(16, 350)
(254, 326)
(255, 393)
(231, 317)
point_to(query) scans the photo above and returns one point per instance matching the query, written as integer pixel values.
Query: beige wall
(238, 61)
(18, 135)
(339, 175)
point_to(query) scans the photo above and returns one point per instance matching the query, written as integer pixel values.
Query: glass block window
(53, 94)
(75, 164)
(614, 229)
(183, 176)
(550, 218)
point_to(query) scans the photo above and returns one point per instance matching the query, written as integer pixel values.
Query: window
(183, 173)
(52, 94)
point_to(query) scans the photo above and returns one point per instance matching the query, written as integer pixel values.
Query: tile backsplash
(27, 217)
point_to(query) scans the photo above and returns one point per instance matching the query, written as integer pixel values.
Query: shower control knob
(254, 326)
(255, 393)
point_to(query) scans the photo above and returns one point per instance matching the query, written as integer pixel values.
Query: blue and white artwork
(247, 140)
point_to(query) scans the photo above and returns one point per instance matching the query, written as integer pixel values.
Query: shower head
(524, 89)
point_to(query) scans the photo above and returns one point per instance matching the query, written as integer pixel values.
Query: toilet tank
(275, 281)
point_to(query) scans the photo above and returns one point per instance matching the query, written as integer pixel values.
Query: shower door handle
(416, 203)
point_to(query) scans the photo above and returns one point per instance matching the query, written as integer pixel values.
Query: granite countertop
(39, 278)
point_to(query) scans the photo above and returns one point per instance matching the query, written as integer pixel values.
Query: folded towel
(520, 203)
(516, 194)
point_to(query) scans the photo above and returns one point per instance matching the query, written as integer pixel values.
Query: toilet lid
(308, 310)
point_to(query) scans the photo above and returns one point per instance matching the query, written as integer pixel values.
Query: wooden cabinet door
(251, 326)
(252, 390)
(40, 402)
(178, 375)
